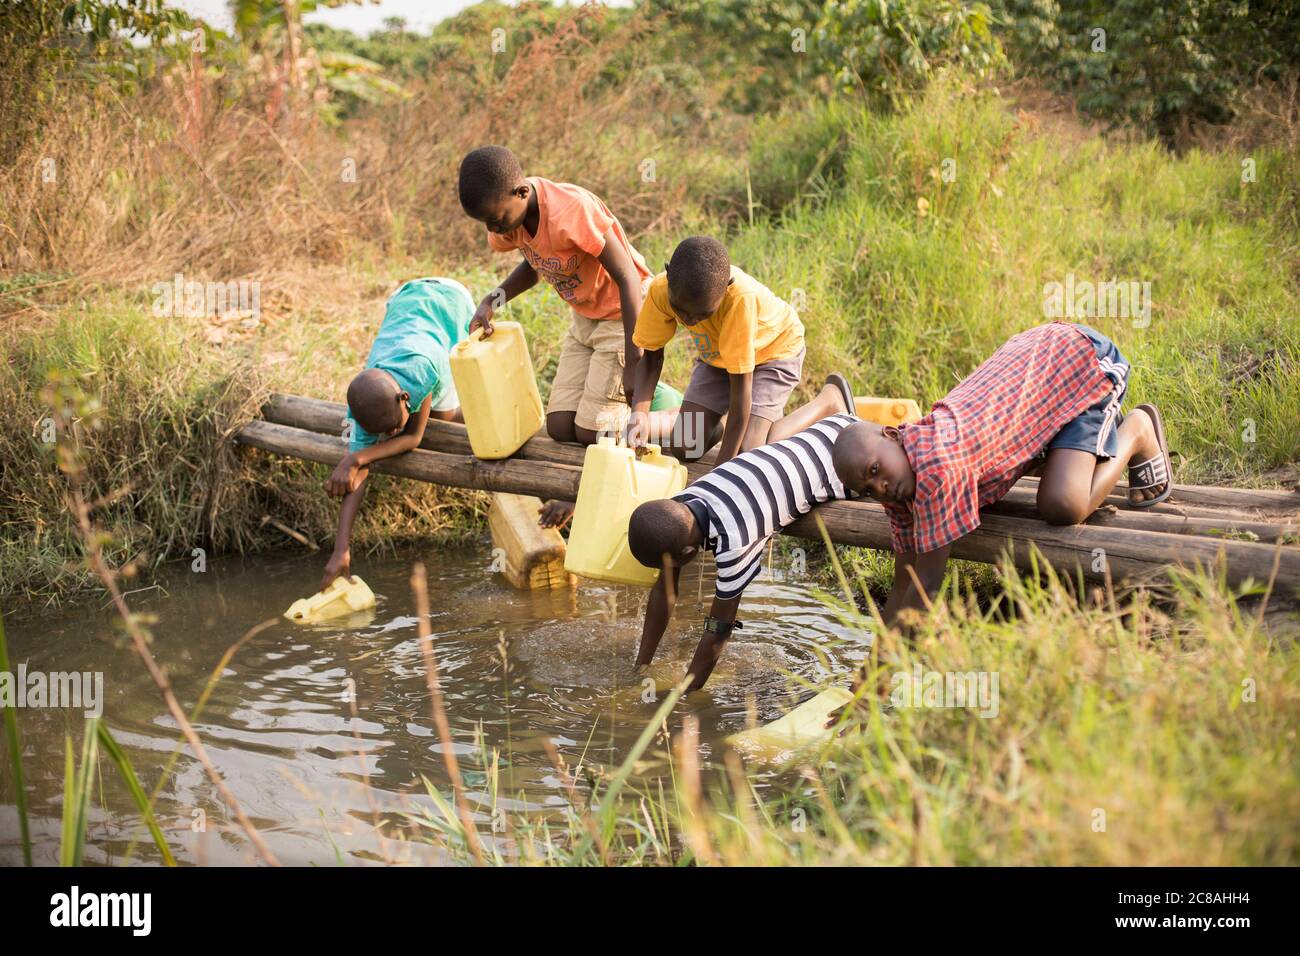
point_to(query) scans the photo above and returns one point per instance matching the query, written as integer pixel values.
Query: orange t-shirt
(571, 227)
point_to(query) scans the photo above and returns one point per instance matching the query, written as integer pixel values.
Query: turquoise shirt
(423, 321)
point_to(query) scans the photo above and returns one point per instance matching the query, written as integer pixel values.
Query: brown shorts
(710, 387)
(589, 377)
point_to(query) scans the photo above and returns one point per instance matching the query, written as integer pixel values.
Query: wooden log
(460, 471)
(1225, 525)
(1125, 552)
(1262, 500)
(1220, 520)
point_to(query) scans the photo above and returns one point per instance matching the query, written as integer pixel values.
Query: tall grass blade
(142, 802)
(78, 783)
(609, 804)
(15, 756)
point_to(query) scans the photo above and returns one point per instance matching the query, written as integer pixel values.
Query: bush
(889, 47)
(1162, 67)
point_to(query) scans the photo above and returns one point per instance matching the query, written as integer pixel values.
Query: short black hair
(657, 528)
(487, 173)
(699, 269)
(372, 400)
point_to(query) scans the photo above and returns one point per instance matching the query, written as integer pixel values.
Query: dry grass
(192, 177)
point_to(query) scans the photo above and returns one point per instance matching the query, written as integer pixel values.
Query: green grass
(909, 304)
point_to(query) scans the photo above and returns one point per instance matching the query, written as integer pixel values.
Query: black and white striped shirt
(759, 492)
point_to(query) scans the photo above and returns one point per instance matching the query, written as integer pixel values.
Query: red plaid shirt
(982, 437)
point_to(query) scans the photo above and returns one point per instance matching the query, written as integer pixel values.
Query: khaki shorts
(589, 377)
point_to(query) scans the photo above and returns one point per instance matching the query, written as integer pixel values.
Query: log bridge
(1248, 535)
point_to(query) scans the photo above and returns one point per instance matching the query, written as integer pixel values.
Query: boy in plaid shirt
(1050, 396)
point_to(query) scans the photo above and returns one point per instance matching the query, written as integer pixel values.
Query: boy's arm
(622, 270)
(648, 370)
(410, 438)
(340, 561)
(522, 278)
(738, 409)
(658, 612)
(349, 479)
(710, 647)
(917, 579)
(349, 472)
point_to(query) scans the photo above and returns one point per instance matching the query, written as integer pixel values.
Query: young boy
(569, 237)
(1053, 392)
(572, 239)
(406, 381)
(749, 352)
(733, 511)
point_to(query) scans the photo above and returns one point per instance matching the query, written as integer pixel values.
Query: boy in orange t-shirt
(571, 239)
(749, 352)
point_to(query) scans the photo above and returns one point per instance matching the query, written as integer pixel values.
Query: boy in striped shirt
(1048, 400)
(734, 511)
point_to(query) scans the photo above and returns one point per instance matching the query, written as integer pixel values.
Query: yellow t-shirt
(751, 326)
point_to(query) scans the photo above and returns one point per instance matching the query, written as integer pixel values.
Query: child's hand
(638, 430)
(482, 319)
(838, 714)
(346, 477)
(859, 678)
(339, 564)
(556, 514)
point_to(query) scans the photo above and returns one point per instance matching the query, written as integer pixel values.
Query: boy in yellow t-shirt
(749, 346)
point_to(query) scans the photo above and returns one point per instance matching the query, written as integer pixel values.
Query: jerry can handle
(498, 329)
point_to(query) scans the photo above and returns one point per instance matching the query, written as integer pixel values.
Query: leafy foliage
(891, 47)
(1166, 67)
(773, 49)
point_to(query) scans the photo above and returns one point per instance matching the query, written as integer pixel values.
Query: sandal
(846, 393)
(1155, 472)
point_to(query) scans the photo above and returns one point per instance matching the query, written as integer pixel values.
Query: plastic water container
(498, 390)
(343, 596)
(801, 728)
(614, 482)
(887, 411)
(530, 556)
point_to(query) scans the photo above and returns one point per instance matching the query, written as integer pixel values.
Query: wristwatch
(721, 628)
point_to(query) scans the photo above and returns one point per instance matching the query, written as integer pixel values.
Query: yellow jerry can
(530, 556)
(887, 411)
(343, 596)
(614, 482)
(498, 390)
(803, 727)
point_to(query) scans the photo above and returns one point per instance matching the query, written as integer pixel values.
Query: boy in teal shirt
(406, 381)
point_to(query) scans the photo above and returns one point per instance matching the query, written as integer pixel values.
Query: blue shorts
(1094, 430)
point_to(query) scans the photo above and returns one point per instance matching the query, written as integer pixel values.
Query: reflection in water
(518, 668)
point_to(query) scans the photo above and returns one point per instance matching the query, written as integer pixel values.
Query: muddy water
(518, 668)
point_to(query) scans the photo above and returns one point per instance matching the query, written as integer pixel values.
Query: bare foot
(556, 514)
